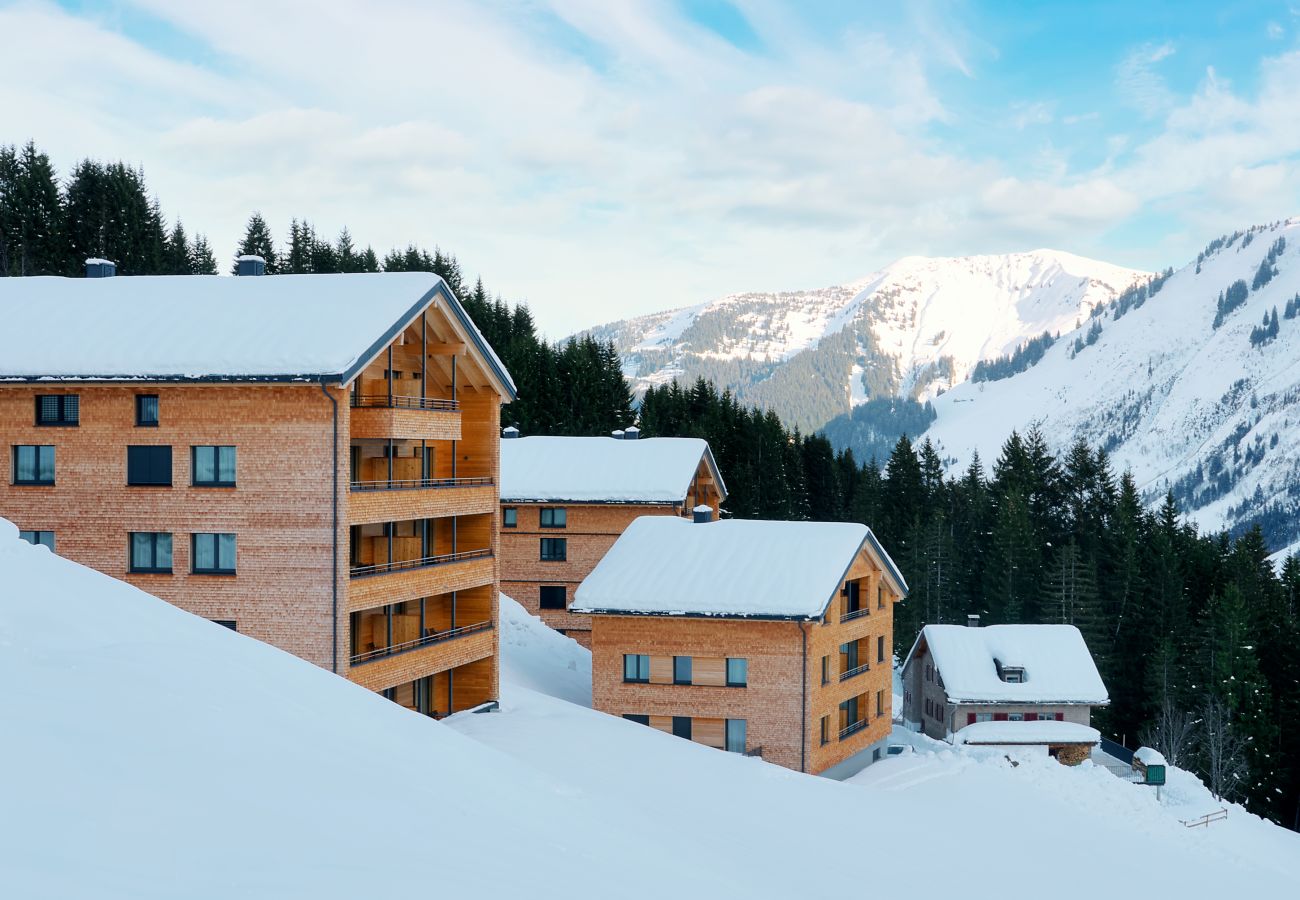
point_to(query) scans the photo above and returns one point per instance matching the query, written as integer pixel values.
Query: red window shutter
(999, 717)
(970, 718)
(1060, 716)
(1031, 717)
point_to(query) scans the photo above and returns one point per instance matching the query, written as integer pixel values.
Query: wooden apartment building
(765, 638)
(565, 500)
(311, 460)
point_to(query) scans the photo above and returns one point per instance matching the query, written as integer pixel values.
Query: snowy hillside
(1202, 410)
(159, 755)
(912, 329)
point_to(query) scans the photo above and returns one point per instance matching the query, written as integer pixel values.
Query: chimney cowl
(617, 434)
(100, 268)
(631, 433)
(509, 431)
(702, 513)
(249, 264)
(973, 620)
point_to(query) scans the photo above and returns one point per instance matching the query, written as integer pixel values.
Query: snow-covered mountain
(1180, 393)
(911, 330)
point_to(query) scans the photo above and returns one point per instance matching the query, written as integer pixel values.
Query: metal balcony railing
(853, 729)
(401, 401)
(433, 637)
(856, 614)
(402, 565)
(845, 676)
(399, 484)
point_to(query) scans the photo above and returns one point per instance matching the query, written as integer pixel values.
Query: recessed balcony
(404, 417)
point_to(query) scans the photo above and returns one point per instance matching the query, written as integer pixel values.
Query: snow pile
(185, 326)
(1058, 667)
(539, 658)
(601, 469)
(1027, 733)
(736, 567)
(1149, 756)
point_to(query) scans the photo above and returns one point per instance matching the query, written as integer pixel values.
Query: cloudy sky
(599, 158)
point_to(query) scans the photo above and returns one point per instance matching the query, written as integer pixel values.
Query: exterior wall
(591, 529)
(824, 640)
(958, 714)
(280, 508)
(770, 704)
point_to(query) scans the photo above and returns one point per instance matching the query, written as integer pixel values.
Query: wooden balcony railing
(399, 484)
(401, 565)
(401, 401)
(433, 637)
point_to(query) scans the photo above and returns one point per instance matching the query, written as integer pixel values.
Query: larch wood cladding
(407, 424)
(366, 507)
(412, 664)
(369, 591)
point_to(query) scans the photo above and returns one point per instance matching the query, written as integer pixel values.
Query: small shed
(1151, 765)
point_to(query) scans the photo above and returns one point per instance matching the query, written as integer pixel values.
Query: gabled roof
(1057, 665)
(549, 469)
(735, 568)
(205, 327)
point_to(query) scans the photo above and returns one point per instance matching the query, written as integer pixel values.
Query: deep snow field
(149, 753)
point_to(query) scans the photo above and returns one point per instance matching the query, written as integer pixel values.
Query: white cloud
(1138, 82)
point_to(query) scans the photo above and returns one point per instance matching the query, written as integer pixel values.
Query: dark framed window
(33, 464)
(737, 672)
(146, 410)
(553, 517)
(149, 465)
(227, 623)
(736, 729)
(682, 727)
(880, 649)
(553, 596)
(212, 466)
(213, 554)
(636, 668)
(509, 517)
(555, 549)
(151, 552)
(880, 703)
(880, 596)
(640, 720)
(681, 670)
(39, 538)
(826, 670)
(58, 409)
(825, 730)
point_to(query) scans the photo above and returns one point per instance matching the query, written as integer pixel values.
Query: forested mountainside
(879, 347)
(1191, 381)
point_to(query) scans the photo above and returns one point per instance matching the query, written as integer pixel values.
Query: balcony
(404, 579)
(857, 670)
(855, 614)
(443, 652)
(853, 729)
(404, 417)
(431, 637)
(415, 498)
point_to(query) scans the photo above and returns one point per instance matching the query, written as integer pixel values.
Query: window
(1014, 676)
(146, 410)
(555, 549)
(681, 670)
(849, 712)
(149, 466)
(1016, 717)
(509, 517)
(551, 596)
(39, 538)
(826, 670)
(880, 596)
(929, 673)
(58, 409)
(640, 720)
(151, 551)
(880, 649)
(553, 517)
(736, 735)
(737, 672)
(682, 727)
(852, 592)
(983, 717)
(214, 554)
(880, 703)
(227, 623)
(33, 464)
(849, 658)
(212, 466)
(636, 668)
(929, 707)
(826, 730)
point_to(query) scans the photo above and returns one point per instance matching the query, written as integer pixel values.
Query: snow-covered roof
(602, 469)
(1149, 756)
(1027, 733)
(204, 327)
(1057, 665)
(665, 565)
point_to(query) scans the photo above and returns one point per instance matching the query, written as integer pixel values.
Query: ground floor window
(553, 596)
(736, 735)
(640, 720)
(682, 727)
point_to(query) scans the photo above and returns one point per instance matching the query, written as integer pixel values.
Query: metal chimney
(973, 620)
(703, 513)
(631, 433)
(100, 268)
(617, 434)
(509, 431)
(250, 265)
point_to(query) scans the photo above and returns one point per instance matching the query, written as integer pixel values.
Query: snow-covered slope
(911, 329)
(149, 753)
(1185, 405)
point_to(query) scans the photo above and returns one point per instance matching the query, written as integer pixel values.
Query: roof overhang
(691, 615)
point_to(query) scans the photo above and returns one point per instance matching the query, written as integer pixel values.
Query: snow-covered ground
(150, 753)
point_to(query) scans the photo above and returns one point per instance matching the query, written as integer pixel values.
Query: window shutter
(1060, 716)
(999, 717)
(970, 718)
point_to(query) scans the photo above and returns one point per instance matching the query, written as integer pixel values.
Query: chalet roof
(735, 568)
(547, 469)
(1057, 665)
(206, 327)
(1026, 733)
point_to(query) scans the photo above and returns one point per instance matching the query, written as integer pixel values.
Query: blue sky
(601, 158)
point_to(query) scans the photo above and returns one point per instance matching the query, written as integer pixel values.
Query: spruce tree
(258, 242)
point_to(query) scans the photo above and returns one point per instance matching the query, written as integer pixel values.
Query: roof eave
(760, 617)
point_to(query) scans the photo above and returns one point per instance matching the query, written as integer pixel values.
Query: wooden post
(390, 376)
(424, 356)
